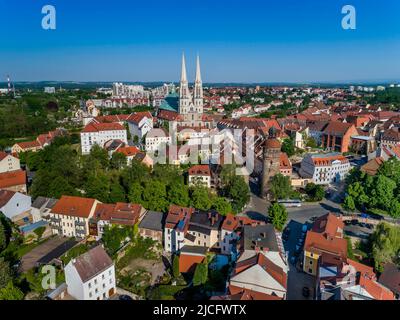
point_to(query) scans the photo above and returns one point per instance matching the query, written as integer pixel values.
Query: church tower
(184, 93)
(198, 89)
(271, 161)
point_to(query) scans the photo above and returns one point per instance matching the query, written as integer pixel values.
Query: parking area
(44, 253)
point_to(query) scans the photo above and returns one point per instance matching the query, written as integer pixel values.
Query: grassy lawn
(74, 252)
(26, 248)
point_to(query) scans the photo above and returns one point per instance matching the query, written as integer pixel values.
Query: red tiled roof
(177, 214)
(167, 115)
(284, 162)
(3, 155)
(237, 293)
(327, 161)
(188, 262)
(12, 178)
(338, 128)
(28, 144)
(96, 127)
(267, 265)
(5, 196)
(200, 170)
(74, 206)
(128, 151)
(326, 236)
(138, 116)
(372, 166)
(119, 213)
(375, 289)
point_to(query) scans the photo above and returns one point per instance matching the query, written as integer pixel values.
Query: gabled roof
(128, 151)
(267, 266)
(326, 237)
(139, 116)
(200, 170)
(390, 277)
(12, 178)
(3, 155)
(118, 213)
(372, 166)
(28, 144)
(338, 128)
(240, 294)
(5, 197)
(97, 127)
(74, 206)
(92, 263)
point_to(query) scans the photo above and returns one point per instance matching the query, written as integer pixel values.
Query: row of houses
(337, 277)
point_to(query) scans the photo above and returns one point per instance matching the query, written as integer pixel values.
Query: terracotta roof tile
(12, 178)
(74, 206)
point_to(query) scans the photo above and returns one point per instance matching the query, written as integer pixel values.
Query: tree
(200, 198)
(98, 156)
(222, 206)
(135, 193)
(385, 244)
(178, 193)
(288, 147)
(10, 292)
(311, 143)
(383, 191)
(155, 196)
(281, 187)
(278, 215)
(175, 266)
(3, 239)
(114, 236)
(200, 274)
(117, 193)
(118, 160)
(239, 192)
(5, 273)
(98, 187)
(315, 192)
(39, 232)
(349, 203)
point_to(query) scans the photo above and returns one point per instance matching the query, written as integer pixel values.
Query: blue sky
(238, 41)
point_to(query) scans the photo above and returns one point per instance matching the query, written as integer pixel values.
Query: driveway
(52, 248)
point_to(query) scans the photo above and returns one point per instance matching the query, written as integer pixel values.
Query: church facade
(191, 107)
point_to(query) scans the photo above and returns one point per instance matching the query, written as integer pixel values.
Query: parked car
(354, 222)
(376, 216)
(125, 297)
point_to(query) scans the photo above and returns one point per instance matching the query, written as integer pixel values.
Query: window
(90, 294)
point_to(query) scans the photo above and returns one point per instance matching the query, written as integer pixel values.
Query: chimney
(257, 249)
(266, 249)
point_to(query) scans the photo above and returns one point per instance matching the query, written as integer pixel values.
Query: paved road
(52, 248)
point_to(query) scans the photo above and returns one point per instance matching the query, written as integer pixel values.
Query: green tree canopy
(281, 187)
(278, 216)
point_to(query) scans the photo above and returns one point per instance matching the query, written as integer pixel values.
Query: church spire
(198, 73)
(183, 73)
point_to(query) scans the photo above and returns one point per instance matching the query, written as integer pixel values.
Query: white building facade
(325, 169)
(8, 162)
(91, 276)
(100, 133)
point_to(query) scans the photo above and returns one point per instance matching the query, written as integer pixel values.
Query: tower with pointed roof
(198, 89)
(184, 93)
(191, 109)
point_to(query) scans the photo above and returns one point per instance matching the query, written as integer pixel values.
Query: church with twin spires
(190, 107)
